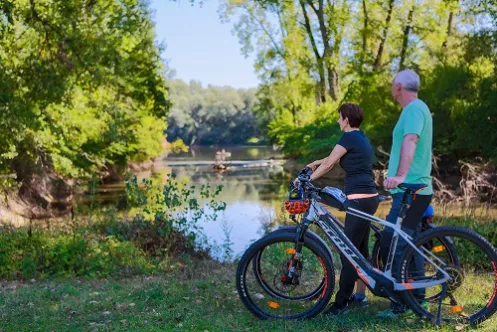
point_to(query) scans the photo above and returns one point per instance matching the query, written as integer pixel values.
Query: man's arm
(406, 156)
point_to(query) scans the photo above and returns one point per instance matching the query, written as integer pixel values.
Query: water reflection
(254, 194)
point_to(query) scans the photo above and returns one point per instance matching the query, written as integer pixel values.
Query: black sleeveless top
(357, 163)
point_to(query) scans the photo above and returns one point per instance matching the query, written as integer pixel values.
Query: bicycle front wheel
(264, 288)
(471, 293)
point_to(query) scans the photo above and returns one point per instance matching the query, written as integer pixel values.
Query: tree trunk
(333, 83)
(405, 38)
(449, 29)
(327, 50)
(364, 33)
(319, 58)
(377, 62)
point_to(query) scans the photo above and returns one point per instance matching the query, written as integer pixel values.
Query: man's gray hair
(408, 79)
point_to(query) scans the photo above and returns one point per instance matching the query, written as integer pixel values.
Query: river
(254, 189)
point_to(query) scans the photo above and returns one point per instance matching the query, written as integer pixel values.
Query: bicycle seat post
(404, 206)
(395, 237)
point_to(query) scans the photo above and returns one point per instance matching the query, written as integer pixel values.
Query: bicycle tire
(454, 233)
(285, 236)
(268, 289)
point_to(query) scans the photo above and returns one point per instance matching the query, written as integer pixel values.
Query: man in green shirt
(410, 162)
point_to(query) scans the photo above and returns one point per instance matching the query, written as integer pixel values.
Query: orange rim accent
(273, 305)
(456, 309)
(495, 287)
(407, 285)
(438, 248)
(291, 251)
(325, 276)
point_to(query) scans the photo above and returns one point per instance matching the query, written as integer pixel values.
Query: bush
(26, 255)
(161, 223)
(178, 146)
(164, 219)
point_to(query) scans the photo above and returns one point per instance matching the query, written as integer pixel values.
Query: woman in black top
(355, 154)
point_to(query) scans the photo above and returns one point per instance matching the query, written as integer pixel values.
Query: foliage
(164, 220)
(82, 85)
(43, 254)
(312, 56)
(313, 140)
(178, 146)
(162, 223)
(212, 115)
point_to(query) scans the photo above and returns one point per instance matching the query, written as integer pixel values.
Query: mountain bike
(446, 244)
(297, 264)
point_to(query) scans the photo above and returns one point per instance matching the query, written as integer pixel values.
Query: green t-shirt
(414, 119)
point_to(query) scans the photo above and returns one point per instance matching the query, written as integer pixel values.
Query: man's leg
(387, 233)
(412, 226)
(386, 239)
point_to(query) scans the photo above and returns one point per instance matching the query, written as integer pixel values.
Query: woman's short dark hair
(353, 112)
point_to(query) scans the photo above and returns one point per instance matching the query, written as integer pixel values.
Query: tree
(350, 51)
(212, 115)
(69, 101)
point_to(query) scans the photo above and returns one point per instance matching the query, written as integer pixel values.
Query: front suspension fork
(299, 244)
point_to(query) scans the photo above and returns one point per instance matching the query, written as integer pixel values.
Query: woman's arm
(316, 163)
(328, 163)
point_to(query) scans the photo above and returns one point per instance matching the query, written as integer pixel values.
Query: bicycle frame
(379, 282)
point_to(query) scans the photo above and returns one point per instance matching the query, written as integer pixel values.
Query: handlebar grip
(306, 171)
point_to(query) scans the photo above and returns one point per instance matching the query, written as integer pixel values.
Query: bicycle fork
(292, 274)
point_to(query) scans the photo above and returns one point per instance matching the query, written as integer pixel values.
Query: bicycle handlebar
(304, 181)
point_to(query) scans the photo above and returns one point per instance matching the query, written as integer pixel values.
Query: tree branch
(405, 38)
(377, 62)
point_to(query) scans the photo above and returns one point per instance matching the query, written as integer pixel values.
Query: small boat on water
(223, 153)
(220, 163)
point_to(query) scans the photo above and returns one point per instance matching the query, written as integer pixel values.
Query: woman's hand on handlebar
(314, 165)
(303, 175)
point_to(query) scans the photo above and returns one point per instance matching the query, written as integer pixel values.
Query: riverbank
(465, 183)
(198, 297)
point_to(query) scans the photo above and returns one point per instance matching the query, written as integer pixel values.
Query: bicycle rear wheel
(471, 294)
(276, 297)
(443, 244)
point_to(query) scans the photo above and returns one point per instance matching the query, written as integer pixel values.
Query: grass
(202, 298)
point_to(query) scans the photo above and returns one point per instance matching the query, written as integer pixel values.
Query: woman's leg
(357, 230)
(360, 292)
(361, 287)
